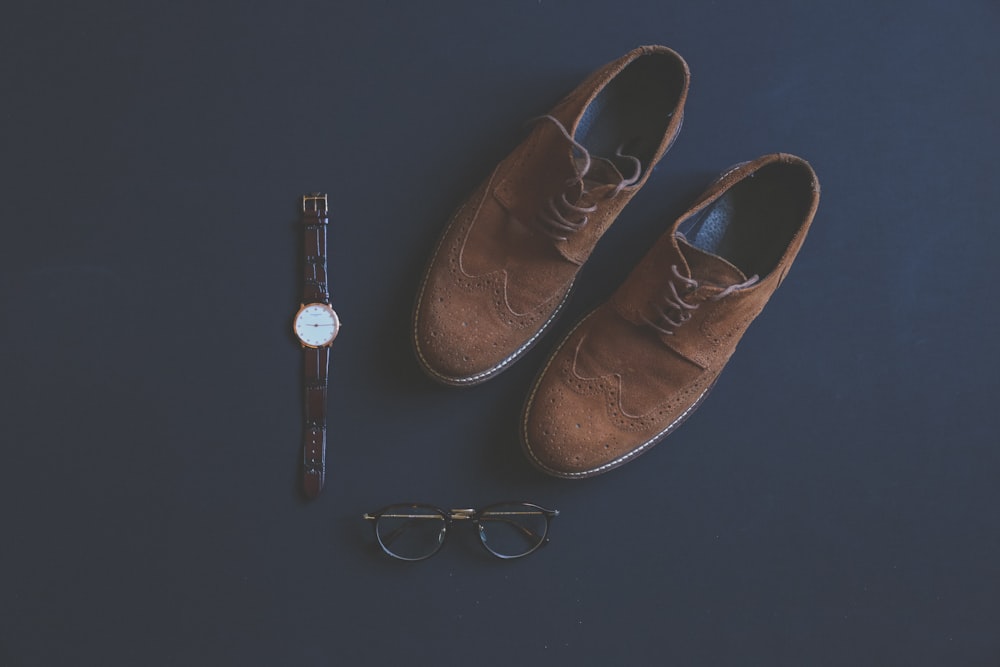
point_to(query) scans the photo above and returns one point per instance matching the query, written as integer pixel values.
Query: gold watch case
(316, 325)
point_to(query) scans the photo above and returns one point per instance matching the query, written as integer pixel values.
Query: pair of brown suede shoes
(634, 368)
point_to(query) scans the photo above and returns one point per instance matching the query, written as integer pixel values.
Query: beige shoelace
(671, 303)
(561, 217)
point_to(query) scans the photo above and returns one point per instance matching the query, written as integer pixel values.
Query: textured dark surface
(834, 501)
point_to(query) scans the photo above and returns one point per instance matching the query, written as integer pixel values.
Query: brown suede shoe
(637, 366)
(505, 264)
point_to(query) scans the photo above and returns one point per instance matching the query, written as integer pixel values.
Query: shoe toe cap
(567, 430)
(591, 411)
(458, 341)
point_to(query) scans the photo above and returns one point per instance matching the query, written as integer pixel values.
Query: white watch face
(316, 324)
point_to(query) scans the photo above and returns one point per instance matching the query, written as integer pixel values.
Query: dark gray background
(834, 502)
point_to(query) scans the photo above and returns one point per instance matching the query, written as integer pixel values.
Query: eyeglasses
(507, 530)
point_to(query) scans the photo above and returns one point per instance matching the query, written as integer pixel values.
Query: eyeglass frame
(465, 514)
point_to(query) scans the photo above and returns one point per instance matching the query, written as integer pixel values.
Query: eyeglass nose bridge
(462, 515)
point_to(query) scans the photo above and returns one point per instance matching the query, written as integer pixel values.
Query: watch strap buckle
(314, 203)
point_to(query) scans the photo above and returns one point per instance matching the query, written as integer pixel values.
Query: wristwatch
(316, 325)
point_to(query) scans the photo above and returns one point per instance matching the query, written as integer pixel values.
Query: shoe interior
(753, 223)
(633, 110)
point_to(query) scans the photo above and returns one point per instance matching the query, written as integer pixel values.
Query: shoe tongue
(708, 268)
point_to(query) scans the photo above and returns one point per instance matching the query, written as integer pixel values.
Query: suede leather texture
(615, 386)
(495, 283)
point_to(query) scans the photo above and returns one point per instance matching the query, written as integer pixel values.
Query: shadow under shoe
(504, 266)
(637, 366)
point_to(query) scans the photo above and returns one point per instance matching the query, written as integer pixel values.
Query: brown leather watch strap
(317, 363)
(317, 360)
(314, 223)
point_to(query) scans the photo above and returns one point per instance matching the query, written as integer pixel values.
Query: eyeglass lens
(411, 532)
(512, 530)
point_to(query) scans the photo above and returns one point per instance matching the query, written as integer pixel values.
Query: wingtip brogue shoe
(638, 365)
(506, 262)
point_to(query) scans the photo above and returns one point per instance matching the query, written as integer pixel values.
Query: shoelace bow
(671, 303)
(561, 217)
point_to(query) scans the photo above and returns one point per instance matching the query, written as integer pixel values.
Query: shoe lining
(632, 112)
(754, 222)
